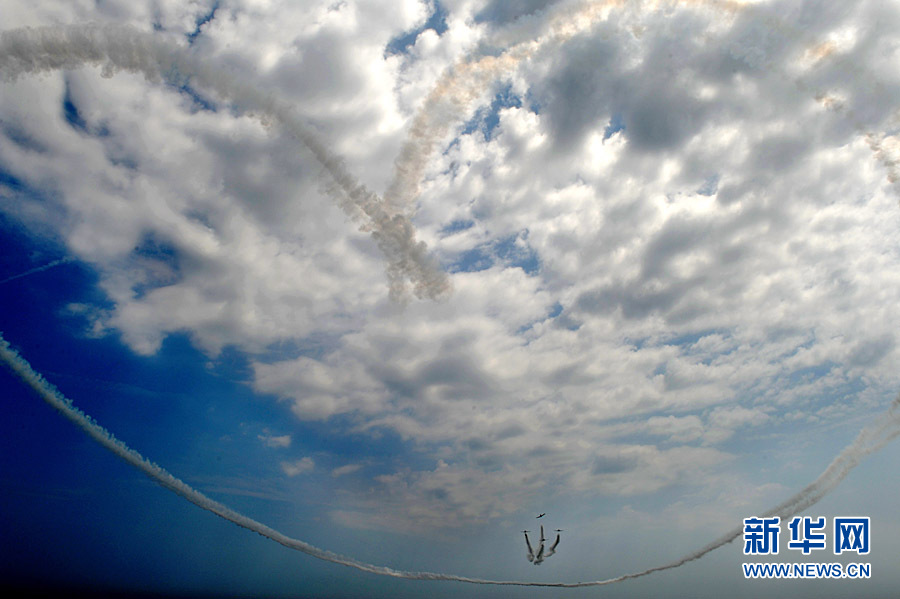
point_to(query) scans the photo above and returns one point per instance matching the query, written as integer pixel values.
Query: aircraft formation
(542, 552)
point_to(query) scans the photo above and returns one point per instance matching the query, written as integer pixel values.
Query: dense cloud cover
(669, 231)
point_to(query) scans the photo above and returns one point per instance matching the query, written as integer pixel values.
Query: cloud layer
(669, 229)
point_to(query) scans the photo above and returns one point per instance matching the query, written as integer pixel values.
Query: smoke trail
(885, 147)
(869, 440)
(461, 85)
(124, 48)
(887, 152)
(36, 50)
(29, 51)
(37, 270)
(465, 81)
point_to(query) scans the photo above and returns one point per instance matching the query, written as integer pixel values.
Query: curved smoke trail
(463, 83)
(869, 440)
(114, 48)
(123, 48)
(460, 85)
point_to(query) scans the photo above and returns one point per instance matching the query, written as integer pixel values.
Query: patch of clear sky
(437, 21)
(203, 20)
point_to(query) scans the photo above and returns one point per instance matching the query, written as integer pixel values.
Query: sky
(394, 277)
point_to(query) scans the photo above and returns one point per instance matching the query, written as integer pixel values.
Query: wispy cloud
(346, 469)
(300, 466)
(274, 441)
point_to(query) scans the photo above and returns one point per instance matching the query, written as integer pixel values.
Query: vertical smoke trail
(124, 48)
(869, 440)
(36, 270)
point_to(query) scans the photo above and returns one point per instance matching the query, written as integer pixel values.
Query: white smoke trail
(29, 51)
(124, 48)
(885, 147)
(115, 48)
(36, 270)
(869, 440)
(468, 79)
(461, 85)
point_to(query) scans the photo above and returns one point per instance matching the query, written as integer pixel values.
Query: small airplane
(542, 515)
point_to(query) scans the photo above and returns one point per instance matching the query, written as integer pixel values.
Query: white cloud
(643, 297)
(300, 466)
(274, 441)
(345, 469)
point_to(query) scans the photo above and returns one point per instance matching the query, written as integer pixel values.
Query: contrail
(38, 269)
(115, 48)
(869, 440)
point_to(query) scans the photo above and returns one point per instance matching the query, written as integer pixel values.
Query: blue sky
(394, 278)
